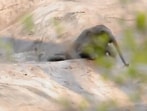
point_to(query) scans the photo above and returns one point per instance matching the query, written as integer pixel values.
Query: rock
(46, 86)
(15, 10)
(66, 85)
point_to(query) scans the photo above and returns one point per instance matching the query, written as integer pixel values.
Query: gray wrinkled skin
(91, 44)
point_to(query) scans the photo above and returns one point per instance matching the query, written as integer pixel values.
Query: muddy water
(19, 50)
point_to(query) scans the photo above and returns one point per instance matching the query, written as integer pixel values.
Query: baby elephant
(91, 44)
